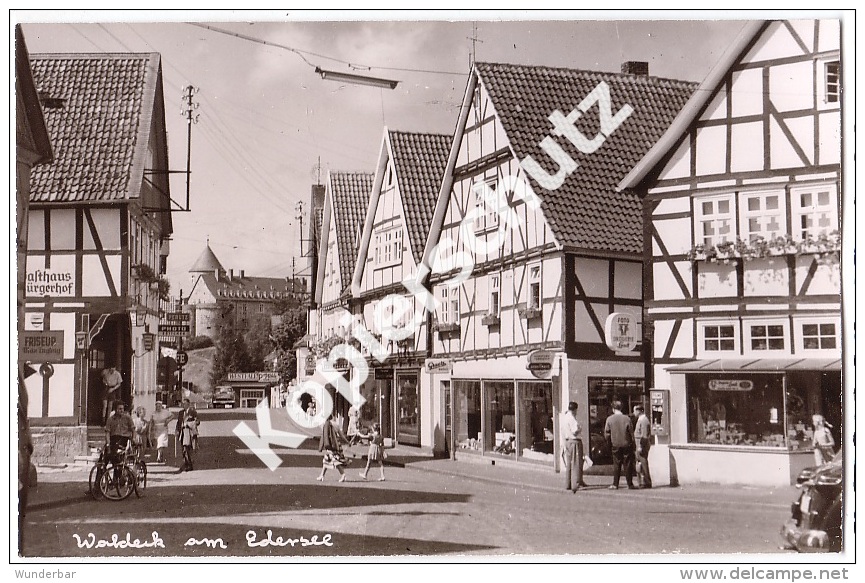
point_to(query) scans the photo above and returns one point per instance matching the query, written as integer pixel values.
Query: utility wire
(301, 53)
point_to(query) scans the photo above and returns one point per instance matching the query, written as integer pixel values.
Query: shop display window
(535, 431)
(501, 422)
(811, 393)
(409, 409)
(736, 409)
(467, 415)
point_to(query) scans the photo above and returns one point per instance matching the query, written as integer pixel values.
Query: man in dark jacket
(620, 437)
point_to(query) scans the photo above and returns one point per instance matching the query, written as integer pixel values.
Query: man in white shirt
(572, 449)
(642, 438)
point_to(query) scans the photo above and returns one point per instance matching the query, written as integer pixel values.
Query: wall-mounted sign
(620, 332)
(44, 282)
(730, 385)
(43, 346)
(254, 377)
(660, 402)
(383, 374)
(540, 363)
(439, 366)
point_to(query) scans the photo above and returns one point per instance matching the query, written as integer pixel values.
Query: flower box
(530, 313)
(491, 320)
(444, 328)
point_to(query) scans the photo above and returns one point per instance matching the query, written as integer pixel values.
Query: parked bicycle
(117, 474)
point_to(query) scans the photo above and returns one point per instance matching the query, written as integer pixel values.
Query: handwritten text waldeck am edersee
(395, 318)
(253, 540)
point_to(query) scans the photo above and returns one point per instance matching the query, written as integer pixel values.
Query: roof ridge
(482, 64)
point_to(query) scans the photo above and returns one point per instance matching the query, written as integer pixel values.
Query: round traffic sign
(182, 358)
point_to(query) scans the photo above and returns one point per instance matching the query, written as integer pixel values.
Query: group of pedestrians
(629, 440)
(123, 429)
(332, 439)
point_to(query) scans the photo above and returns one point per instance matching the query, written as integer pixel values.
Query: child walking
(376, 452)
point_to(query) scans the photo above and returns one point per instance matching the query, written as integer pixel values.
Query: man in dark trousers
(620, 437)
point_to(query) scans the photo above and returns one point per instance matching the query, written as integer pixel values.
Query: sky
(268, 126)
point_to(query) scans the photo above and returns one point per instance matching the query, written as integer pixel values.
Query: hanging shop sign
(540, 363)
(730, 385)
(439, 366)
(620, 332)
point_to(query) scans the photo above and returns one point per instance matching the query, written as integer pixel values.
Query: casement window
(818, 334)
(714, 220)
(486, 202)
(495, 294)
(535, 297)
(766, 336)
(832, 81)
(454, 305)
(449, 308)
(814, 210)
(762, 215)
(717, 337)
(388, 246)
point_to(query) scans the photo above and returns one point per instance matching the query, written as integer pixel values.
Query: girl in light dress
(376, 452)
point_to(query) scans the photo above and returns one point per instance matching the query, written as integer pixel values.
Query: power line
(301, 54)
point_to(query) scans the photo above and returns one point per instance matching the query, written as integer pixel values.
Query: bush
(197, 342)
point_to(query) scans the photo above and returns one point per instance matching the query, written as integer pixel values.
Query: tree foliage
(232, 355)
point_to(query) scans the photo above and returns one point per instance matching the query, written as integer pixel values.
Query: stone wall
(58, 445)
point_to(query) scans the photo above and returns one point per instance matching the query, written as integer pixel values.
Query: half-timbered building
(345, 202)
(532, 251)
(97, 238)
(407, 180)
(742, 214)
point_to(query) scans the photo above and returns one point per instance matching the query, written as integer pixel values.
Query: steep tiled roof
(350, 198)
(98, 113)
(252, 288)
(585, 212)
(420, 161)
(207, 261)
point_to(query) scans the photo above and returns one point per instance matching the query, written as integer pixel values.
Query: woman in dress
(159, 430)
(331, 444)
(376, 452)
(139, 438)
(823, 442)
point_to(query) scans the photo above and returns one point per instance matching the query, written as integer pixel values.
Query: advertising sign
(730, 385)
(42, 346)
(540, 363)
(439, 365)
(45, 282)
(254, 377)
(620, 332)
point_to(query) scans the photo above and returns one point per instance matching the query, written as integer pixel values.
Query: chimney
(241, 273)
(216, 274)
(230, 275)
(640, 68)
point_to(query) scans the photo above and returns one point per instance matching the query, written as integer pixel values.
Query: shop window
(766, 337)
(602, 393)
(500, 436)
(736, 409)
(535, 431)
(467, 415)
(719, 337)
(763, 215)
(534, 301)
(714, 220)
(814, 211)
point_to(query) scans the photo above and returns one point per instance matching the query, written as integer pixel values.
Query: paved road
(235, 504)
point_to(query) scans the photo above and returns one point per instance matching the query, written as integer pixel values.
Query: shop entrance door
(408, 408)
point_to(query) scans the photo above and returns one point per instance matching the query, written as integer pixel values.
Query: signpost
(182, 358)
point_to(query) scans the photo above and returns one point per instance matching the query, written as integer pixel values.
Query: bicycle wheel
(139, 470)
(94, 481)
(117, 483)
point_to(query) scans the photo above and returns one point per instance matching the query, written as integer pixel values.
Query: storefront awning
(758, 364)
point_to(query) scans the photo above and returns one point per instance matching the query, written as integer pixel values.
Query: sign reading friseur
(620, 332)
(540, 363)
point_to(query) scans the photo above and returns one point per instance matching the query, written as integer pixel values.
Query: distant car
(223, 397)
(816, 521)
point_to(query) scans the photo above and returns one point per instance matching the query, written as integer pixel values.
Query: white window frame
(702, 337)
(798, 210)
(699, 218)
(779, 214)
(488, 216)
(535, 278)
(824, 95)
(799, 326)
(749, 324)
(454, 304)
(495, 304)
(388, 246)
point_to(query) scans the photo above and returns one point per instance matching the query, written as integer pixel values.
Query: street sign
(181, 329)
(182, 358)
(177, 317)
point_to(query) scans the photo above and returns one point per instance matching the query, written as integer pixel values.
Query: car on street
(816, 518)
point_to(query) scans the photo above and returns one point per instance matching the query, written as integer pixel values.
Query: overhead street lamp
(357, 79)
